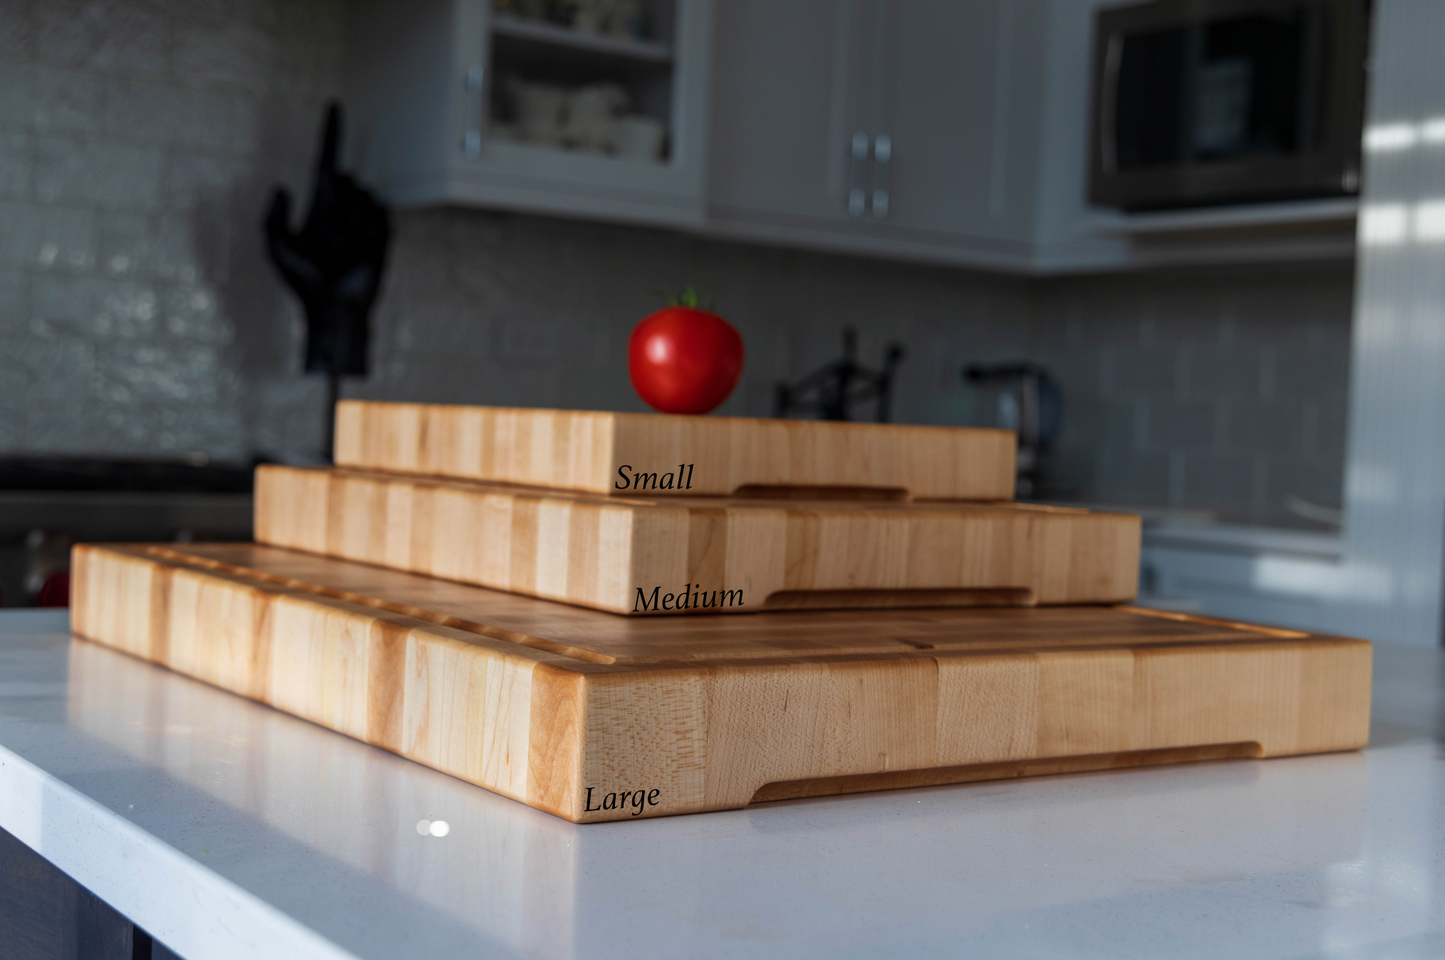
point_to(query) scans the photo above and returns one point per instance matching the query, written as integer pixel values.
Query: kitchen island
(229, 830)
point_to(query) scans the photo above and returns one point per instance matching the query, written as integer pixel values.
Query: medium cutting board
(595, 717)
(657, 454)
(703, 555)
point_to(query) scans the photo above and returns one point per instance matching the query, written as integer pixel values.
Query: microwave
(1202, 102)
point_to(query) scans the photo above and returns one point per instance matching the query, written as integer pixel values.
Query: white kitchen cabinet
(966, 92)
(464, 102)
(901, 128)
(774, 131)
(983, 111)
(945, 131)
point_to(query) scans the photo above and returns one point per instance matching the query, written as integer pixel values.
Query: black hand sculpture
(334, 263)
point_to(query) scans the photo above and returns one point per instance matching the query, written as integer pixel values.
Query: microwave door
(1225, 102)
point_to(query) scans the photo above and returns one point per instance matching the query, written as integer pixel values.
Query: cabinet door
(424, 81)
(941, 97)
(779, 111)
(966, 92)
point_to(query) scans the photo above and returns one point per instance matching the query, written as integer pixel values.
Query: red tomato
(684, 360)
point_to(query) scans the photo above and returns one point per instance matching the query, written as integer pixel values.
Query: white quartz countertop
(230, 830)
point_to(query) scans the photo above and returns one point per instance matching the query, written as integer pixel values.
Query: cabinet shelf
(523, 153)
(1238, 217)
(537, 31)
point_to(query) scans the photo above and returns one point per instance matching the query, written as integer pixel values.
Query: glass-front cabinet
(580, 107)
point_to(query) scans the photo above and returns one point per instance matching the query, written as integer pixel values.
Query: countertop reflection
(228, 829)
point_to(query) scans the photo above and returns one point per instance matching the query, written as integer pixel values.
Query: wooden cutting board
(703, 555)
(657, 454)
(591, 716)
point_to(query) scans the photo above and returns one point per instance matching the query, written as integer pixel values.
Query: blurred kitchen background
(920, 171)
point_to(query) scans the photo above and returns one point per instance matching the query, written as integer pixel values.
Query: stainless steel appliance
(1027, 400)
(1199, 102)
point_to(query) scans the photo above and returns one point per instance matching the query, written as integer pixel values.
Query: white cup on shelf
(540, 108)
(639, 137)
(590, 114)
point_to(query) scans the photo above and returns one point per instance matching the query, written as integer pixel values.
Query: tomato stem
(688, 297)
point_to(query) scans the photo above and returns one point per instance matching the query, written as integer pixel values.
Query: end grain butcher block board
(591, 716)
(703, 555)
(664, 454)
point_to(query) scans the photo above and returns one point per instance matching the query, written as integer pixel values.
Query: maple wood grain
(709, 555)
(545, 702)
(676, 454)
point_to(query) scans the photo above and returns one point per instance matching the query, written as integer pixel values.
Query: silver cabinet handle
(882, 156)
(858, 156)
(472, 138)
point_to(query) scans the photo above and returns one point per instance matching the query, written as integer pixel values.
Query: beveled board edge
(675, 454)
(624, 554)
(565, 735)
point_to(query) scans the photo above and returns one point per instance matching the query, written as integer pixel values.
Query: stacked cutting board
(610, 616)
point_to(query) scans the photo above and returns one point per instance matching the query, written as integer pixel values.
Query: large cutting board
(596, 717)
(703, 555)
(656, 454)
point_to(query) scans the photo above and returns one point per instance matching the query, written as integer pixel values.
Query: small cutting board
(703, 555)
(592, 717)
(655, 454)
